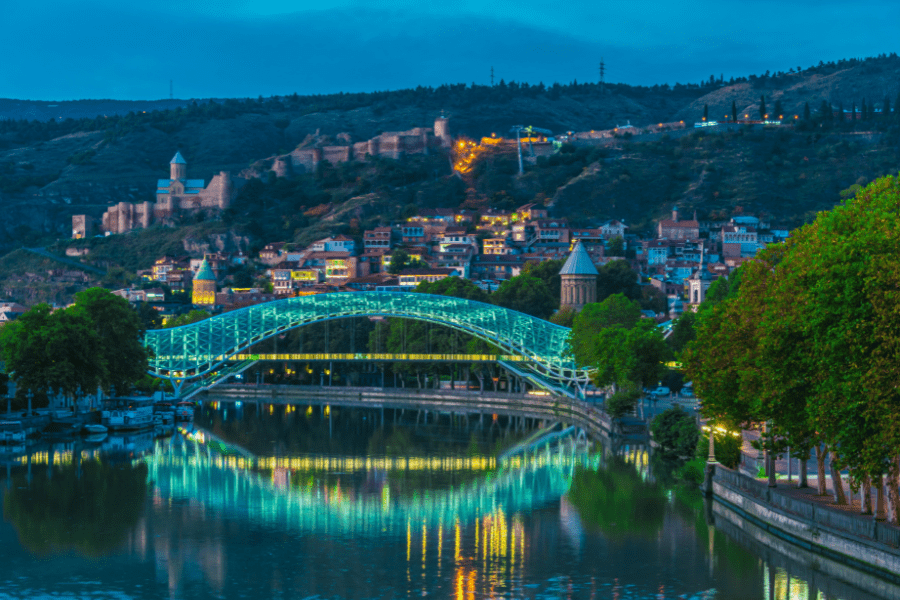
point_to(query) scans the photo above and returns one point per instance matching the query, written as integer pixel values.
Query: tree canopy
(95, 342)
(810, 341)
(526, 294)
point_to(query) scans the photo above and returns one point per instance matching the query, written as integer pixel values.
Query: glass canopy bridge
(295, 493)
(207, 352)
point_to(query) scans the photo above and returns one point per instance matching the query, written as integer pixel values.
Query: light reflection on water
(229, 518)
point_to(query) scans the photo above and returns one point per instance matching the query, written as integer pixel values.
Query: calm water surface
(308, 502)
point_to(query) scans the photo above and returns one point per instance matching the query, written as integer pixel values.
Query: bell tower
(579, 279)
(178, 167)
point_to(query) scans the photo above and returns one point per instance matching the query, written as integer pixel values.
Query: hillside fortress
(175, 196)
(390, 144)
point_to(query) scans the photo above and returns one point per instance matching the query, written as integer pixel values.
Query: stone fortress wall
(392, 144)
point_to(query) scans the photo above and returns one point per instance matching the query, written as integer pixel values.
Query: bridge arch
(203, 348)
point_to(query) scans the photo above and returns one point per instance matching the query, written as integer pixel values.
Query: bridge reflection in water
(278, 491)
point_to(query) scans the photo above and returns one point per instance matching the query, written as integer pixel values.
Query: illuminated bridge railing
(191, 351)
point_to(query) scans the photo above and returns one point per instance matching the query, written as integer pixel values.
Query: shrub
(675, 431)
(728, 449)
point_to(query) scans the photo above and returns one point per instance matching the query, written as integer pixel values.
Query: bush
(675, 431)
(692, 471)
(728, 449)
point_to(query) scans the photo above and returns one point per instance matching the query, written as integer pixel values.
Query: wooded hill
(49, 171)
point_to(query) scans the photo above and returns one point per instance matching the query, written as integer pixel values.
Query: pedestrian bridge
(219, 346)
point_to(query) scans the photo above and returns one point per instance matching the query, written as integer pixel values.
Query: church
(175, 196)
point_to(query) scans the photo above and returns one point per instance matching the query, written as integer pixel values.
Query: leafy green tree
(120, 333)
(683, 332)
(58, 350)
(149, 316)
(617, 277)
(399, 261)
(526, 294)
(675, 431)
(187, 318)
(454, 286)
(565, 316)
(616, 246)
(548, 272)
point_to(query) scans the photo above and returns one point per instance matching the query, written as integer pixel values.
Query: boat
(94, 428)
(184, 411)
(128, 419)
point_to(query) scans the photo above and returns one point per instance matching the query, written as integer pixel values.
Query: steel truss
(201, 349)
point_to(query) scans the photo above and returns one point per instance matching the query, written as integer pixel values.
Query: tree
(548, 272)
(565, 316)
(399, 261)
(58, 350)
(762, 107)
(616, 246)
(617, 277)
(526, 294)
(810, 342)
(706, 112)
(683, 332)
(624, 351)
(675, 431)
(187, 318)
(149, 316)
(454, 286)
(120, 334)
(806, 113)
(734, 113)
(779, 110)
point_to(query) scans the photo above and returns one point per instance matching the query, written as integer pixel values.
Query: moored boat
(128, 419)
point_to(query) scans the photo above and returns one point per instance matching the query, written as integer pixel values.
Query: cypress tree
(886, 109)
(853, 112)
(864, 110)
(762, 107)
(841, 112)
(806, 114)
(734, 114)
(779, 111)
(897, 105)
(706, 112)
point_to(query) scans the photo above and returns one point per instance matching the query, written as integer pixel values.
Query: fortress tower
(442, 131)
(579, 279)
(204, 293)
(178, 167)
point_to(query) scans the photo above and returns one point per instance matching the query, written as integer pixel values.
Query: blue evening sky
(70, 49)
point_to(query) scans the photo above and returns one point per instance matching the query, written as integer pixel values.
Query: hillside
(51, 170)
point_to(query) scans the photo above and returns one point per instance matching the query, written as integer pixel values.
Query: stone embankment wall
(870, 548)
(565, 409)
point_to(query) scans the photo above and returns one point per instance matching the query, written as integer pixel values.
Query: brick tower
(579, 279)
(204, 293)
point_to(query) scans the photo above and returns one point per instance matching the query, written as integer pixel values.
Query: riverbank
(541, 406)
(868, 546)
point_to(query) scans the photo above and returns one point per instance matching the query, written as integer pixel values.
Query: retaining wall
(866, 545)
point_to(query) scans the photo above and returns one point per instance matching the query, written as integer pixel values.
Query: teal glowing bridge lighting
(216, 347)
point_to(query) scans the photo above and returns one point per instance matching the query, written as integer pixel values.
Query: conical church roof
(178, 159)
(205, 272)
(579, 262)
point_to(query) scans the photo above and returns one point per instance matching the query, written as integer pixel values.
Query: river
(315, 502)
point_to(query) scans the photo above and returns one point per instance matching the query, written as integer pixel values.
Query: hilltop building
(579, 279)
(175, 196)
(673, 229)
(390, 144)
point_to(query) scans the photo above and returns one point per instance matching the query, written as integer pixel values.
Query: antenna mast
(602, 74)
